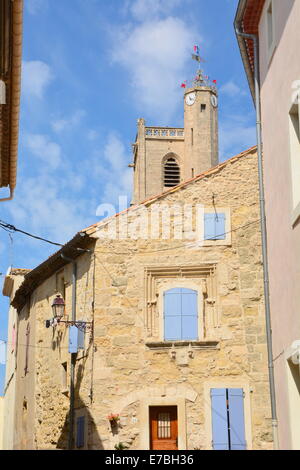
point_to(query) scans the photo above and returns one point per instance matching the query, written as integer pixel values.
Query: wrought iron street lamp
(58, 307)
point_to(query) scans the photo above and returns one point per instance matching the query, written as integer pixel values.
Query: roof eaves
(74, 248)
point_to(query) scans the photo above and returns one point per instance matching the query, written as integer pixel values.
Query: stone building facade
(276, 24)
(127, 366)
(168, 299)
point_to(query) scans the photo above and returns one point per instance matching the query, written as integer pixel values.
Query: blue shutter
(220, 439)
(180, 314)
(73, 339)
(80, 432)
(172, 314)
(236, 419)
(80, 339)
(214, 226)
(189, 312)
(220, 227)
(209, 226)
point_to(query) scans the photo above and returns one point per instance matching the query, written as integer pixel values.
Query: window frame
(165, 159)
(201, 227)
(228, 383)
(271, 46)
(294, 160)
(181, 284)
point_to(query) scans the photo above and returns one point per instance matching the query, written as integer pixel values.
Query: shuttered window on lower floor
(228, 420)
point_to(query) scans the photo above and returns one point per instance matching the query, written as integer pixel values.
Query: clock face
(214, 100)
(190, 98)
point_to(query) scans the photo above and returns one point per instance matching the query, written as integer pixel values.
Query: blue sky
(91, 68)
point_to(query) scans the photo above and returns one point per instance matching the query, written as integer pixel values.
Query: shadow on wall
(93, 439)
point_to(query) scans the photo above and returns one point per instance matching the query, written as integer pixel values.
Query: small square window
(214, 226)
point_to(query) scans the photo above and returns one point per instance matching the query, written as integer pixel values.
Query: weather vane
(200, 79)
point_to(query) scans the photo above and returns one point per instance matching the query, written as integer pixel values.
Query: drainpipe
(73, 355)
(254, 38)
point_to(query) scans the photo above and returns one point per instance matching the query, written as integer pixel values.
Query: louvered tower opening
(171, 173)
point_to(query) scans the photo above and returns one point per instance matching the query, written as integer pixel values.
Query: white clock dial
(214, 100)
(190, 99)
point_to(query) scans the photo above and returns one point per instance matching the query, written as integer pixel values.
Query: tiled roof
(251, 18)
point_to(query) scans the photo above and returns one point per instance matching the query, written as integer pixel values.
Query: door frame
(145, 419)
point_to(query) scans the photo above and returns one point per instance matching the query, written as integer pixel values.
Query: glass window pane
(172, 328)
(189, 327)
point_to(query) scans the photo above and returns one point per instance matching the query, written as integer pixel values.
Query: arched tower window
(171, 172)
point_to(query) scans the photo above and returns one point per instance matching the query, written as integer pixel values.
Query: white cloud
(114, 170)
(142, 9)
(48, 204)
(235, 137)
(155, 54)
(36, 76)
(43, 148)
(68, 123)
(232, 90)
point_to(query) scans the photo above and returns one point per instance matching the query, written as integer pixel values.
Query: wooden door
(163, 428)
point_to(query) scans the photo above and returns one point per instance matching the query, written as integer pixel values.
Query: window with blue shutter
(228, 420)
(236, 418)
(80, 432)
(180, 314)
(220, 438)
(214, 226)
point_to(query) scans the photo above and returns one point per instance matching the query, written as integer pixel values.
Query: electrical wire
(11, 228)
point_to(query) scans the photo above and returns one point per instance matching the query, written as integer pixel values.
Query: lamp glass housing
(58, 307)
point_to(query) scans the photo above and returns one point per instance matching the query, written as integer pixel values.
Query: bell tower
(164, 157)
(200, 127)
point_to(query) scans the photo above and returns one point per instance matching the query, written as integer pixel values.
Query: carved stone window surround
(205, 272)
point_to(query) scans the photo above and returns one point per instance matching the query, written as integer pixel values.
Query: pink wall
(277, 77)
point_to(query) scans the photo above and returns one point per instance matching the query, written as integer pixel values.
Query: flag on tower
(196, 50)
(196, 57)
(183, 85)
(215, 82)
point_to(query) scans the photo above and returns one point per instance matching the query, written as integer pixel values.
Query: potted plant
(113, 418)
(121, 446)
